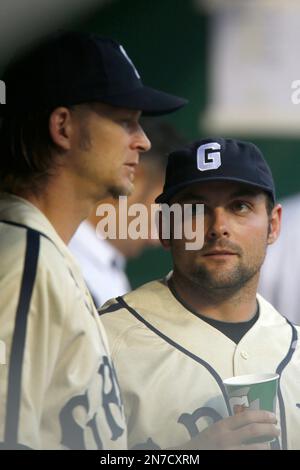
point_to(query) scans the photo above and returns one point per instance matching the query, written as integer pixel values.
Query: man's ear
(274, 224)
(61, 127)
(166, 242)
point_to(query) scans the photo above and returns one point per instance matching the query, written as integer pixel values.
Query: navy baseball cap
(70, 68)
(216, 159)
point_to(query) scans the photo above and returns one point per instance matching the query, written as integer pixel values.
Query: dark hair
(26, 151)
(270, 204)
(164, 138)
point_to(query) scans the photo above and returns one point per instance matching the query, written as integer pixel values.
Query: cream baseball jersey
(170, 366)
(58, 387)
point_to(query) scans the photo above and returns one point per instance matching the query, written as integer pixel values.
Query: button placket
(244, 354)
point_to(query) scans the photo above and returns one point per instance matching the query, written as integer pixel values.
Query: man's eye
(240, 206)
(129, 123)
(126, 122)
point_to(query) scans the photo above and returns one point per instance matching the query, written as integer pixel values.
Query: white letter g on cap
(207, 157)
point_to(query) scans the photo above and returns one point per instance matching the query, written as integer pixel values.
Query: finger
(250, 416)
(255, 432)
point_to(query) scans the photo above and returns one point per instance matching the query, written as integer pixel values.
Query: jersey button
(245, 354)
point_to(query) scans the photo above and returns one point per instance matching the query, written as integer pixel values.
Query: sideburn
(85, 141)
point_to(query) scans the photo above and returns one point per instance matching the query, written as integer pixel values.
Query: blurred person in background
(280, 274)
(103, 260)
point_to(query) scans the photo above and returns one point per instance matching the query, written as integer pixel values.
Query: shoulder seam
(111, 308)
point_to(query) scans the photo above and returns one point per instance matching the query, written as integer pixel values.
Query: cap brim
(167, 195)
(148, 100)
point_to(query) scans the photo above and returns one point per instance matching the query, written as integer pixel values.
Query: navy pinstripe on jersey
(19, 338)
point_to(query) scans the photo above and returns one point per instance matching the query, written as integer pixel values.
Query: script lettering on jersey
(110, 396)
(189, 420)
(73, 432)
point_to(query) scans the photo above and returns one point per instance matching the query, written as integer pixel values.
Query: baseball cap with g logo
(216, 159)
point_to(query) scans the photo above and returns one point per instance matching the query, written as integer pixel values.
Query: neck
(121, 244)
(218, 304)
(64, 208)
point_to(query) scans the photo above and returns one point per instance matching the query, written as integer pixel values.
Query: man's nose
(218, 226)
(142, 143)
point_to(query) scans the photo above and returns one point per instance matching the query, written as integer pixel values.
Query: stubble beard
(220, 284)
(225, 282)
(121, 190)
(115, 190)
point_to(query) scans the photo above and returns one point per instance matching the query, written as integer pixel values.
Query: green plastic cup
(255, 392)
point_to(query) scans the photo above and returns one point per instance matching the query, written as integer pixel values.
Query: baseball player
(70, 135)
(103, 261)
(175, 340)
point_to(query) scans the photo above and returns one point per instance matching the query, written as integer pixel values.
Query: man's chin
(122, 190)
(232, 280)
(221, 280)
